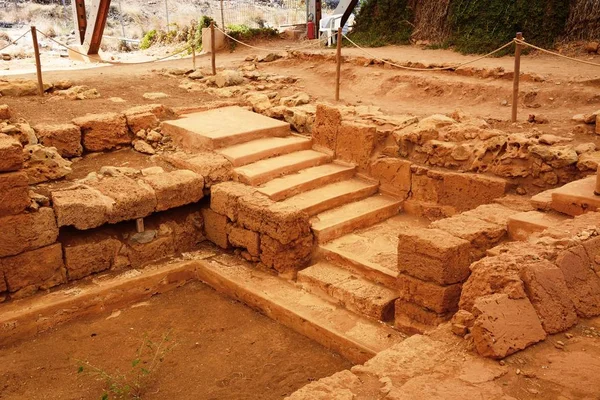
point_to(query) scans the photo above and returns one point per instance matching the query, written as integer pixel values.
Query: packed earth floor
(406, 242)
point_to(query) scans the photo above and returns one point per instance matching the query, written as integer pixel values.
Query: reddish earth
(223, 350)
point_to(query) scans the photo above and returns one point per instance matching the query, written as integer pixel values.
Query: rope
(264, 48)
(115, 62)
(522, 42)
(15, 41)
(430, 69)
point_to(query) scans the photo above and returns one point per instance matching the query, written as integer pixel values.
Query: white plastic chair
(329, 26)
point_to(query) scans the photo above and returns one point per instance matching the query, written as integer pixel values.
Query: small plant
(244, 33)
(132, 384)
(148, 39)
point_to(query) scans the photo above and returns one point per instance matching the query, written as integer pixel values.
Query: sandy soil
(223, 350)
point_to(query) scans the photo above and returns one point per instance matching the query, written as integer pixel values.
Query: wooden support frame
(79, 18)
(94, 32)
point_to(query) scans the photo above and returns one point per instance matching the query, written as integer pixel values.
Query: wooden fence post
(212, 47)
(339, 64)
(38, 64)
(515, 99)
(193, 46)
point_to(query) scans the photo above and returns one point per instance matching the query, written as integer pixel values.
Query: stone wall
(521, 292)
(261, 230)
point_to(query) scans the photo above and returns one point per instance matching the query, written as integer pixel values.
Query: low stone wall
(521, 292)
(260, 229)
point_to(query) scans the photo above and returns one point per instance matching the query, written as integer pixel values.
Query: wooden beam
(94, 32)
(348, 11)
(79, 18)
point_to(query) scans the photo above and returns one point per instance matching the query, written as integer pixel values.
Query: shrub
(148, 39)
(381, 22)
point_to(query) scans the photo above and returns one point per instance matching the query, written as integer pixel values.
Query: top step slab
(222, 127)
(576, 198)
(259, 149)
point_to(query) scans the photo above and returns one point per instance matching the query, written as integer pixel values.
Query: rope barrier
(524, 43)
(429, 69)
(115, 62)
(15, 41)
(266, 49)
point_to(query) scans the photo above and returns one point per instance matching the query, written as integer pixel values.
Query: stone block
(185, 224)
(412, 318)
(103, 131)
(240, 237)
(576, 198)
(11, 153)
(29, 231)
(160, 111)
(140, 254)
(137, 122)
(523, 226)
(82, 207)
(394, 175)
(355, 144)
(437, 298)
(280, 221)
(224, 198)
(326, 126)
(467, 191)
(542, 201)
(65, 137)
(132, 199)
(88, 253)
(5, 113)
(547, 290)
(426, 189)
(504, 326)
(14, 193)
(41, 268)
(286, 258)
(481, 234)
(213, 167)
(583, 283)
(175, 189)
(216, 227)
(433, 255)
(492, 213)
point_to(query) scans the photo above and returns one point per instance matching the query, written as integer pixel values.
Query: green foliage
(381, 22)
(148, 39)
(131, 385)
(205, 21)
(481, 26)
(244, 33)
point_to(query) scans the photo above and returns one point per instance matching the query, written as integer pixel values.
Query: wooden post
(139, 225)
(212, 48)
(338, 71)
(515, 100)
(38, 65)
(194, 46)
(222, 16)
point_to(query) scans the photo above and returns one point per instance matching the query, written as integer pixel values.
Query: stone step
(576, 198)
(523, 225)
(355, 337)
(349, 290)
(334, 223)
(263, 171)
(332, 195)
(375, 272)
(306, 179)
(222, 127)
(259, 149)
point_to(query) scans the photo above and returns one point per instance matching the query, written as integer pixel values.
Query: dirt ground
(222, 350)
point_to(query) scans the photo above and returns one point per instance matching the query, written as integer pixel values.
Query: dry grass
(431, 20)
(584, 20)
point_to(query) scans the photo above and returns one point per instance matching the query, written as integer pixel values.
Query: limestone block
(216, 227)
(394, 175)
(286, 258)
(524, 225)
(29, 231)
(355, 144)
(213, 167)
(160, 111)
(412, 318)
(492, 213)
(240, 237)
(40, 268)
(5, 112)
(144, 253)
(132, 199)
(65, 137)
(103, 131)
(467, 191)
(86, 254)
(583, 283)
(440, 299)
(224, 198)
(137, 122)
(11, 153)
(433, 255)
(425, 188)
(44, 164)
(83, 207)
(280, 221)
(547, 290)
(186, 225)
(326, 126)
(175, 189)
(504, 326)
(14, 193)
